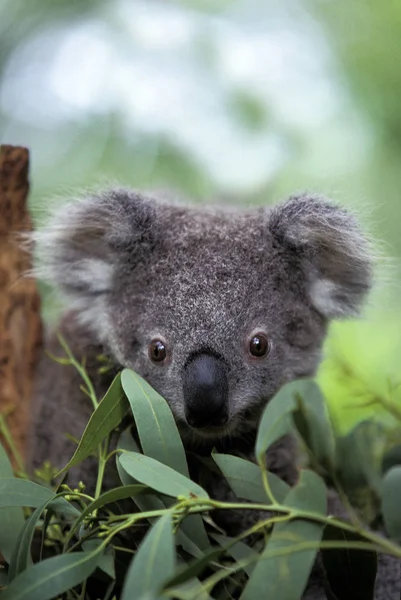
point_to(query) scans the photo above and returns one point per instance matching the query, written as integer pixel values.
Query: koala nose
(205, 391)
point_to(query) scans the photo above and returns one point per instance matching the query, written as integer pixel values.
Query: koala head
(215, 308)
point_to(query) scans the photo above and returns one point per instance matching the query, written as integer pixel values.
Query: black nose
(205, 391)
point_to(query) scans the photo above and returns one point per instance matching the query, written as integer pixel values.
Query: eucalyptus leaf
(51, 577)
(359, 456)
(284, 567)
(182, 539)
(114, 495)
(391, 458)
(312, 421)
(276, 419)
(160, 440)
(153, 563)
(190, 590)
(21, 492)
(145, 502)
(155, 423)
(245, 479)
(126, 443)
(240, 551)
(391, 502)
(21, 557)
(11, 518)
(194, 568)
(158, 476)
(106, 558)
(109, 413)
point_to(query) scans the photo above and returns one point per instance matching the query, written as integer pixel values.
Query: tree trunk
(20, 323)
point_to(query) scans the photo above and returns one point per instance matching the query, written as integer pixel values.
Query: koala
(215, 307)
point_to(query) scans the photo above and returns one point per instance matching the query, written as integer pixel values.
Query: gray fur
(131, 268)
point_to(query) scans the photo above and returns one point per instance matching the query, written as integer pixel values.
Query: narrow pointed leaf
(194, 568)
(11, 518)
(240, 551)
(21, 557)
(50, 578)
(158, 476)
(153, 563)
(192, 526)
(245, 479)
(109, 413)
(276, 419)
(106, 559)
(312, 421)
(391, 502)
(359, 456)
(145, 502)
(155, 423)
(21, 492)
(114, 495)
(190, 590)
(283, 569)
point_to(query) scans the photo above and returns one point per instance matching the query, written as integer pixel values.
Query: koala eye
(157, 351)
(259, 345)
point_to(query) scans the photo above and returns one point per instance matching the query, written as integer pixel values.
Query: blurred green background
(246, 101)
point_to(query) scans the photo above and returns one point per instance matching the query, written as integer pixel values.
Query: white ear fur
(334, 253)
(79, 249)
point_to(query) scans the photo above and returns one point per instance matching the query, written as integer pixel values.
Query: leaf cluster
(154, 536)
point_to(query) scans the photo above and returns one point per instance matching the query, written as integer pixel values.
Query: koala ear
(333, 251)
(79, 248)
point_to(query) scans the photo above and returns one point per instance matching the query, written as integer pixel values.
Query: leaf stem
(5, 432)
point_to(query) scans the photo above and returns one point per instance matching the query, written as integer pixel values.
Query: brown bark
(20, 323)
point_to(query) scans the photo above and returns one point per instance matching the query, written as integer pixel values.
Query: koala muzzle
(205, 385)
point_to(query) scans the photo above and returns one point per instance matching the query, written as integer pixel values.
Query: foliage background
(242, 100)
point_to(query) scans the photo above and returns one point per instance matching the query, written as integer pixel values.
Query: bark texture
(20, 322)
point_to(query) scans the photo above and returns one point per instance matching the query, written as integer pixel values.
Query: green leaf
(21, 492)
(309, 494)
(51, 577)
(145, 502)
(106, 558)
(158, 476)
(359, 456)
(109, 413)
(21, 557)
(127, 443)
(182, 539)
(276, 419)
(192, 525)
(194, 568)
(350, 573)
(240, 551)
(190, 590)
(155, 423)
(391, 502)
(114, 495)
(245, 479)
(153, 563)
(312, 422)
(391, 458)
(283, 570)
(11, 518)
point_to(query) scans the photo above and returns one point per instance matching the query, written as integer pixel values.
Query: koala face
(215, 309)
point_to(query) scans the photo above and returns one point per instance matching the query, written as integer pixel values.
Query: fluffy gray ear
(79, 248)
(332, 249)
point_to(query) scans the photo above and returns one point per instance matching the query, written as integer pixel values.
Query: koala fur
(132, 269)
